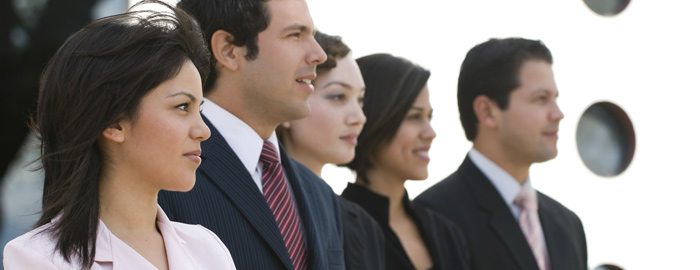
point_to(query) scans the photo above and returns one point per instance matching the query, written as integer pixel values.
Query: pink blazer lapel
(178, 258)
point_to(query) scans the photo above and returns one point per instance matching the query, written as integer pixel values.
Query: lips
(350, 138)
(422, 153)
(551, 134)
(194, 156)
(305, 82)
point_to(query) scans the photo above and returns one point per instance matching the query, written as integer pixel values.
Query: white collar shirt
(242, 139)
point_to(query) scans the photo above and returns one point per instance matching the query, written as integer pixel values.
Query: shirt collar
(506, 185)
(242, 139)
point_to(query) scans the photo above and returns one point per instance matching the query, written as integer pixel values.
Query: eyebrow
(296, 26)
(183, 93)
(345, 85)
(421, 109)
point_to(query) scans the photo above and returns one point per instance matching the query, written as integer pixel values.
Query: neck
(126, 207)
(308, 161)
(389, 186)
(508, 162)
(253, 116)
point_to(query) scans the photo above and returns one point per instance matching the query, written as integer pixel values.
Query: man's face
(527, 129)
(277, 83)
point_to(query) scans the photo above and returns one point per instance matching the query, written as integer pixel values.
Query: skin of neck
(388, 185)
(309, 161)
(494, 151)
(127, 208)
(225, 95)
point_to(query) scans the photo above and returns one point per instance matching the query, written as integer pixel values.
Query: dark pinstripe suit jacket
(494, 237)
(226, 200)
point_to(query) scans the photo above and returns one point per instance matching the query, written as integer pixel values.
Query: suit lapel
(501, 218)
(225, 170)
(308, 219)
(554, 233)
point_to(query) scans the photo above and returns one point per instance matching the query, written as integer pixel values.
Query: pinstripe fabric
(226, 200)
(282, 206)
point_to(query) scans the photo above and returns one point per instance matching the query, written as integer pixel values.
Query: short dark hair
(334, 47)
(492, 69)
(244, 19)
(97, 78)
(393, 84)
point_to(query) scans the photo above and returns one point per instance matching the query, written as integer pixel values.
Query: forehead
(346, 71)
(284, 13)
(536, 76)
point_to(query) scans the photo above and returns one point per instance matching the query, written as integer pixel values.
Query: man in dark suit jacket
(263, 60)
(507, 103)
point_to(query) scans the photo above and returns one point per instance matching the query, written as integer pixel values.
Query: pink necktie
(280, 201)
(530, 224)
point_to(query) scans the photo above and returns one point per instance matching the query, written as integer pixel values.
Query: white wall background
(645, 60)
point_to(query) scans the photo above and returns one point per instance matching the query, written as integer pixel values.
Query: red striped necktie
(280, 200)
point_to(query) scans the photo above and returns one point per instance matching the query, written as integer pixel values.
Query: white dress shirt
(244, 141)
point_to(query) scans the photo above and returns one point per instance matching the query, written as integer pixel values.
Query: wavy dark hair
(492, 69)
(334, 47)
(393, 84)
(244, 19)
(97, 78)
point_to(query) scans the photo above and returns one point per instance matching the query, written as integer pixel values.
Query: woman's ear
(115, 132)
(225, 52)
(486, 111)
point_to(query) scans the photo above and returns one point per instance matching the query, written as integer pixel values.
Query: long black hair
(97, 78)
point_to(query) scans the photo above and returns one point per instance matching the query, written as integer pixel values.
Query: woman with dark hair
(328, 135)
(118, 119)
(392, 148)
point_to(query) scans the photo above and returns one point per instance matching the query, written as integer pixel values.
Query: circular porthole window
(607, 7)
(605, 139)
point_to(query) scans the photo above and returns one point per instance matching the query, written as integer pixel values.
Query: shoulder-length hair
(97, 78)
(393, 84)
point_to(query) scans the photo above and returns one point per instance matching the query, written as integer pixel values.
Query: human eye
(294, 35)
(361, 101)
(413, 116)
(337, 97)
(183, 106)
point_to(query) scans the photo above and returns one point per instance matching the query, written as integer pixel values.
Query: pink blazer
(187, 246)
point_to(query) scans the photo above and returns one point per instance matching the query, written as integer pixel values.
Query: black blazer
(443, 239)
(494, 236)
(363, 240)
(226, 200)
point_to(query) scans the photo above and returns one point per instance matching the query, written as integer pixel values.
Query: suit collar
(501, 219)
(553, 227)
(304, 198)
(225, 170)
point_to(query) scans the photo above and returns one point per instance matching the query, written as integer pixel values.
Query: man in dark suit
(507, 104)
(270, 211)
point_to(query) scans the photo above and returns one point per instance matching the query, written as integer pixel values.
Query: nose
(556, 114)
(316, 55)
(428, 132)
(356, 116)
(200, 131)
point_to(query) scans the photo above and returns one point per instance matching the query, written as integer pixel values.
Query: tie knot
(268, 154)
(527, 199)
